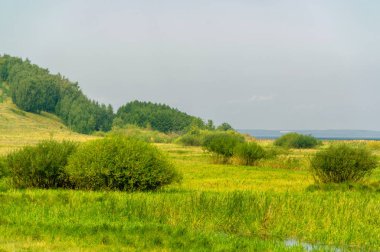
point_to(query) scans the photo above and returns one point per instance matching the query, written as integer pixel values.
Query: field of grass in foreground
(216, 208)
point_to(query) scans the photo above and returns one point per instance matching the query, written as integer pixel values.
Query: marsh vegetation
(216, 207)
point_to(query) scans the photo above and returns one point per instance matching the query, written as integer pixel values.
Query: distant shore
(320, 134)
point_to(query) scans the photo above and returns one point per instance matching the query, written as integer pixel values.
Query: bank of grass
(216, 208)
(19, 128)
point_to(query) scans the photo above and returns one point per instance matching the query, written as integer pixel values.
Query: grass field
(270, 207)
(216, 208)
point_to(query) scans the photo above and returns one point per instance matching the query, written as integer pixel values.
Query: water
(320, 134)
(310, 247)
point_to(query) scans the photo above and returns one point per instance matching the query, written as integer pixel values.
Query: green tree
(159, 116)
(224, 127)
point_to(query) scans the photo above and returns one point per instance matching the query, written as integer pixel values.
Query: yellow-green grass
(201, 174)
(173, 220)
(19, 128)
(216, 208)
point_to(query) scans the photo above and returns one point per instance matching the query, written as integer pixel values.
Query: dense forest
(35, 89)
(159, 117)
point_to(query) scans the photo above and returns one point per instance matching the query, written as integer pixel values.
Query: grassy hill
(19, 128)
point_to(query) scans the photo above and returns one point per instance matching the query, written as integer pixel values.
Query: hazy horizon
(289, 65)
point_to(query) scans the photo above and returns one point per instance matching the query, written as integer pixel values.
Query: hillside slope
(19, 128)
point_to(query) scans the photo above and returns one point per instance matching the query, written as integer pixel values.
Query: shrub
(223, 144)
(224, 127)
(191, 140)
(343, 163)
(119, 163)
(194, 137)
(298, 141)
(249, 153)
(40, 166)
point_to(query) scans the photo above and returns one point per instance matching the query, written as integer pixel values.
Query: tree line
(35, 89)
(159, 117)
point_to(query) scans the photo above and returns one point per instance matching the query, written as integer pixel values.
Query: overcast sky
(256, 64)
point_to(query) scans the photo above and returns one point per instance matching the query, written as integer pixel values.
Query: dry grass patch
(19, 128)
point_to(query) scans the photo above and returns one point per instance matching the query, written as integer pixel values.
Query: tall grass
(345, 220)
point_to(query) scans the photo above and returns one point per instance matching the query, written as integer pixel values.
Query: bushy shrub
(194, 137)
(191, 140)
(249, 153)
(224, 127)
(298, 141)
(222, 144)
(119, 163)
(343, 163)
(40, 166)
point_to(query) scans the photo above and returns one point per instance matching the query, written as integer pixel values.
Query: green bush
(249, 153)
(191, 140)
(298, 141)
(119, 163)
(222, 144)
(40, 166)
(343, 163)
(194, 137)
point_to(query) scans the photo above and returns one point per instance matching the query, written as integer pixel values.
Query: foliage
(119, 163)
(210, 125)
(223, 144)
(41, 165)
(191, 140)
(158, 116)
(34, 89)
(298, 141)
(343, 163)
(248, 153)
(224, 127)
(145, 135)
(194, 137)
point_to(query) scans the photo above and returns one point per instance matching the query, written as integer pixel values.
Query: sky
(256, 64)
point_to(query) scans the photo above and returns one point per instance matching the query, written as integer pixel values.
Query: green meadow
(217, 207)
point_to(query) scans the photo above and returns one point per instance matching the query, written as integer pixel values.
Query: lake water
(310, 247)
(320, 134)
